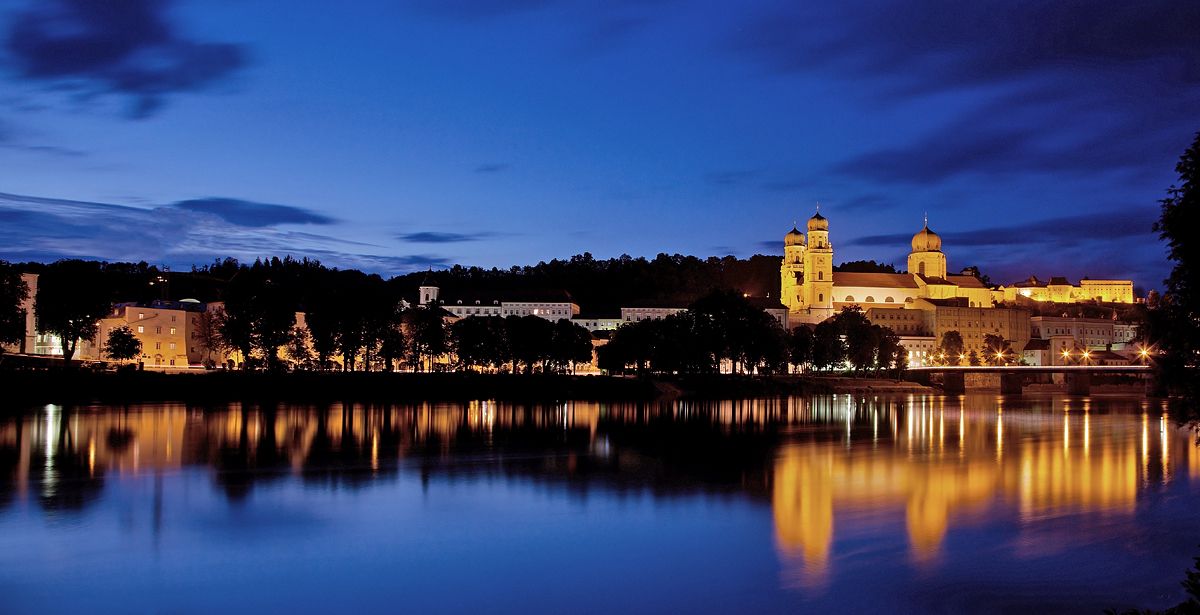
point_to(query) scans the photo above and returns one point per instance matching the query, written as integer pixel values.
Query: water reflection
(832, 469)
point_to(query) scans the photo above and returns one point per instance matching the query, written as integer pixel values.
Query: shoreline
(83, 387)
(32, 387)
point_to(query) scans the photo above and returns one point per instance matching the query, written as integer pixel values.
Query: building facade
(812, 291)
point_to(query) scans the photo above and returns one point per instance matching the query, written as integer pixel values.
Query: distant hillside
(607, 285)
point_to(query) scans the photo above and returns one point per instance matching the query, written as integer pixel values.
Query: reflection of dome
(793, 238)
(926, 241)
(818, 223)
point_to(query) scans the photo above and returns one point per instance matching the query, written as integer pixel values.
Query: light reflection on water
(917, 503)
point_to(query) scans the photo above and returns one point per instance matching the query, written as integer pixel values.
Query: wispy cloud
(38, 228)
(436, 237)
(1075, 87)
(252, 214)
(491, 167)
(129, 48)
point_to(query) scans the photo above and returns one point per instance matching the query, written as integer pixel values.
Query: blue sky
(394, 136)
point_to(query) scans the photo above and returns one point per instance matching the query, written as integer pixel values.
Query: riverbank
(82, 386)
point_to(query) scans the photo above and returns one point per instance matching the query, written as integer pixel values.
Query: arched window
(849, 298)
(921, 268)
(889, 300)
(908, 299)
(820, 275)
(870, 299)
(820, 297)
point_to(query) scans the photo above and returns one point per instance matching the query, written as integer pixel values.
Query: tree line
(724, 331)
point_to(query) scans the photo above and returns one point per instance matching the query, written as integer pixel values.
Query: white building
(551, 305)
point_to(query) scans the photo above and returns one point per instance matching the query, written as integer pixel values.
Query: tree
(72, 298)
(861, 337)
(973, 357)
(951, 348)
(298, 348)
(997, 349)
(800, 347)
(570, 344)
(122, 345)
(425, 332)
(828, 348)
(207, 333)
(13, 293)
(1175, 324)
(478, 341)
(530, 339)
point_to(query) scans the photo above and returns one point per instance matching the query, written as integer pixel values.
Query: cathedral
(813, 291)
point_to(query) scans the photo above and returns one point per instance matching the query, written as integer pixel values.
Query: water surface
(903, 504)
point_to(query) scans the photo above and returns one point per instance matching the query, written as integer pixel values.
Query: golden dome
(793, 238)
(818, 223)
(926, 241)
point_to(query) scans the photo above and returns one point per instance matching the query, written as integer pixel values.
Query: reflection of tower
(818, 265)
(791, 272)
(802, 500)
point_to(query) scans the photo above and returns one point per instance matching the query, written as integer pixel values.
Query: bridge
(1012, 377)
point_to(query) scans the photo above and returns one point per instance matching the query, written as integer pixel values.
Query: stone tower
(927, 258)
(791, 271)
(818, 265)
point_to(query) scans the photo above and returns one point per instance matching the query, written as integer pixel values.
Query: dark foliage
(1174, 325)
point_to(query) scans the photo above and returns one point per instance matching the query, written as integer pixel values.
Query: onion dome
(793, 238)
(818, 223)
(926, 241)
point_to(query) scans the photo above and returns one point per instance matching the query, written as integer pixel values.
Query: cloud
(1080, 86)
(251, 214)
(436, 237)
(1112, 243)
(472, 10)
(128, 48)
(729, 177)
(1065, 230)
(947, 43)
(491, 167)
(43, 229)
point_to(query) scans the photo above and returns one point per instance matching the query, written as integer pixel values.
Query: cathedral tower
(927, 258)
(791, 272)
(818, 264)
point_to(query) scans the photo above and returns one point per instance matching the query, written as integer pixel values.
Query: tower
(818, 264)
(427, 292)
(927, 258)
(791, 271)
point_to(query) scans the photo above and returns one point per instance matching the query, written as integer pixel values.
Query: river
(829, 503)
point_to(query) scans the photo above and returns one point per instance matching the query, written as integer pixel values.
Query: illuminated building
(1060, 290)
(813, 291)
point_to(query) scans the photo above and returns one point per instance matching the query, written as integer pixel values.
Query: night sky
(394, 136)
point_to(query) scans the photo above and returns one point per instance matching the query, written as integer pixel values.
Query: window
(888, 300)
(820, 275)
(870, 299)
(849, 298)
(158, 345)
(141, 329)
(141, 315)
(158, 329)
(172, 318)
(172, 330)
(921, 268)
(820, 297)
(172, 346)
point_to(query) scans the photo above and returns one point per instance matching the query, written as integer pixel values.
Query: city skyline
(395, 138)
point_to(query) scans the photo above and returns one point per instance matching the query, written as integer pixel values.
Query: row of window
(158, 330)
